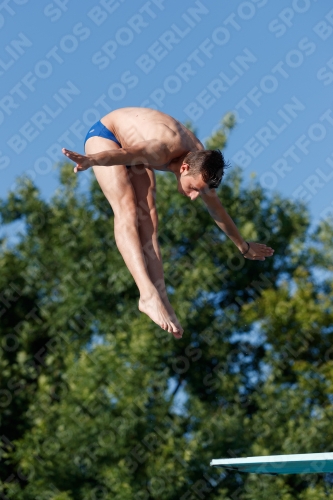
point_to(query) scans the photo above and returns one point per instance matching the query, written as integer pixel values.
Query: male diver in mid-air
(134, 142)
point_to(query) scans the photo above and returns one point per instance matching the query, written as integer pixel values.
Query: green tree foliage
(219, 138)
(98, 403)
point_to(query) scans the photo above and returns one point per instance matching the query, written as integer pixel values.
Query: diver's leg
(117, 187)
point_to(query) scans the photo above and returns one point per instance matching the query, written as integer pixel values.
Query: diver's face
(189, 185)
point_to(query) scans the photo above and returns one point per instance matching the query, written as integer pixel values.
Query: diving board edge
(279, 464)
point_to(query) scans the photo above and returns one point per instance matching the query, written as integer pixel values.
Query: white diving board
(314, 463)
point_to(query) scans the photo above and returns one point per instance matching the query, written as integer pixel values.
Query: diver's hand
(82, 162)
(256, 251)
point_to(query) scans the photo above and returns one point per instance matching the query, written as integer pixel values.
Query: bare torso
(133, 125)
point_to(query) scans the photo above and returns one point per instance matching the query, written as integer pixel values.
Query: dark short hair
(209, 163)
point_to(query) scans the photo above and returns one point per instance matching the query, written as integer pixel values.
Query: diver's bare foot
(169, 308)
(165, 299)
(162, 316)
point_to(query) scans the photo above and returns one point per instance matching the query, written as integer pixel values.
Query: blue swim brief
(99, 130)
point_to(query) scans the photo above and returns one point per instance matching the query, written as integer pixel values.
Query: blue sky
(64, 64)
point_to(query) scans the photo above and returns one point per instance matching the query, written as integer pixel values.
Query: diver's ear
(185, 167)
